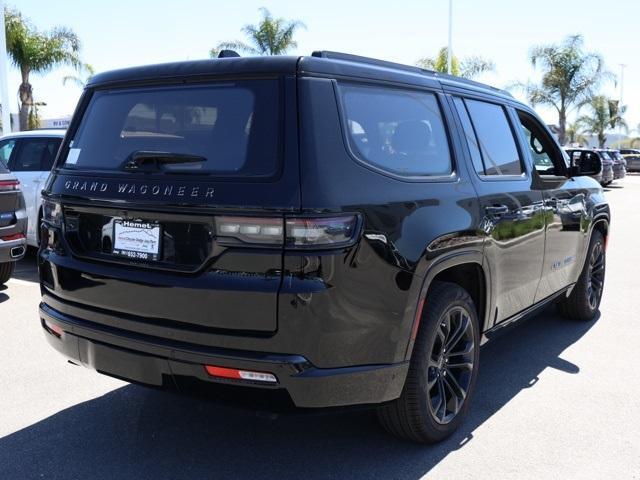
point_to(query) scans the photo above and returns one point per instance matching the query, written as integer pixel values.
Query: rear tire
(442, 372)
(584, 301)
(6, 270)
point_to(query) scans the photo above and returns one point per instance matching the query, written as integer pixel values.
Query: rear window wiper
(150, 161)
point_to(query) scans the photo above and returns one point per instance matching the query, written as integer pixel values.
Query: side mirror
(585, 165)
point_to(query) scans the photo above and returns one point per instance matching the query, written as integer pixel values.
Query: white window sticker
(72, 156)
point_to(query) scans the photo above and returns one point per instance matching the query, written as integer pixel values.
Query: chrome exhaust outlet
(17, 251)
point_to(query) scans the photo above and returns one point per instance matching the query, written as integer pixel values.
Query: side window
(6, 147)
(547, 160)
(30, 154)
(49, 154)
(470, 135)
(399, 131)
(495, 138)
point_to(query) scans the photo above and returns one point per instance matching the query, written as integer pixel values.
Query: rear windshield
(232, 126)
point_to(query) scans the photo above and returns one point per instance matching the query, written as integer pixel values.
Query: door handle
(497, 210)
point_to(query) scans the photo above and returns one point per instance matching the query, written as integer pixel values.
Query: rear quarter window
(395, 130)
(235, 126)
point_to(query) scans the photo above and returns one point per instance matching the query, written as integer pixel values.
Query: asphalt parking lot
(555, 399)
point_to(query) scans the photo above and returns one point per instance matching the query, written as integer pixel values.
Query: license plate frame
(139, 240)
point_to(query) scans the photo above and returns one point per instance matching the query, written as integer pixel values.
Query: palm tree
(635, 140)
(86, 70)
(34, 51)
(602, 118)
(468, 67)
(574, 134)
(271, 36)
(570, 77)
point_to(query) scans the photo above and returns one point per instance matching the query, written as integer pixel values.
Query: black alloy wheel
(450, 364)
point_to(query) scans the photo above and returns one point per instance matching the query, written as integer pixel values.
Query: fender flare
(438, 266)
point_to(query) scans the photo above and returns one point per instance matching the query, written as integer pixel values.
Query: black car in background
(13, 224)
(329, 230)
(632, 157)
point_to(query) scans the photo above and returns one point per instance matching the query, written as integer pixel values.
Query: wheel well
(470, 277)
(602, 226)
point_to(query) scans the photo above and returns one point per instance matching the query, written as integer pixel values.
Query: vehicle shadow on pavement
(27, 269)
(133, 432)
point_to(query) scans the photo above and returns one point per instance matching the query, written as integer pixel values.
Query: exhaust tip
(17, 251)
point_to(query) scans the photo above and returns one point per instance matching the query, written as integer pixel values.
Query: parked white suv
(30, 155)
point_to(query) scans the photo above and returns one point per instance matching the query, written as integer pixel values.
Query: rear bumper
(162, 362)
(12, 250)
(619, 172)
(607, 175)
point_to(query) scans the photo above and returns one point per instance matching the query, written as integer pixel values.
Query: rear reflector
(223, 372)
(416, 320)
(53, 329)
(9, 185)
(16, 236)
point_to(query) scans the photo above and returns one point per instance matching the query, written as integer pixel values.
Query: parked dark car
(13, 224)
(619, 164)
(632, 157)
(330, 229)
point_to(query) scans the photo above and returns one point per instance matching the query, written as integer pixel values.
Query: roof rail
(371, 61)
(465, 81)
(408, 68)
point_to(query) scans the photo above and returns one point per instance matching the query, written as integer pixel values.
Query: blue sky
(124, 33)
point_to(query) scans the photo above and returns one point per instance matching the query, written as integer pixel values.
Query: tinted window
(35, 154)
(495, 138)
(49, 154)
(233, 125)
(6, 147)
(400, 131)
(470, 135)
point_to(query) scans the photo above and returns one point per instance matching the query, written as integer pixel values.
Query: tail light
(250, 230)
(15, 236)
(316, 232)
(9, 185)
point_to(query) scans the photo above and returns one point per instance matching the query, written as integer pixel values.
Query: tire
(6, 270)
(417, 414)
(584, 301)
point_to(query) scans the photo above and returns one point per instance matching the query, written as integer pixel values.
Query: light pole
(449, 47)
(4, 81)
(622, 67)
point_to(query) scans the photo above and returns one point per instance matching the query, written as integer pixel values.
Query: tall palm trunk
(25, 91)
(562, 126)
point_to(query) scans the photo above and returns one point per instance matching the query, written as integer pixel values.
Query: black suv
(330, 229)
(13, 223)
